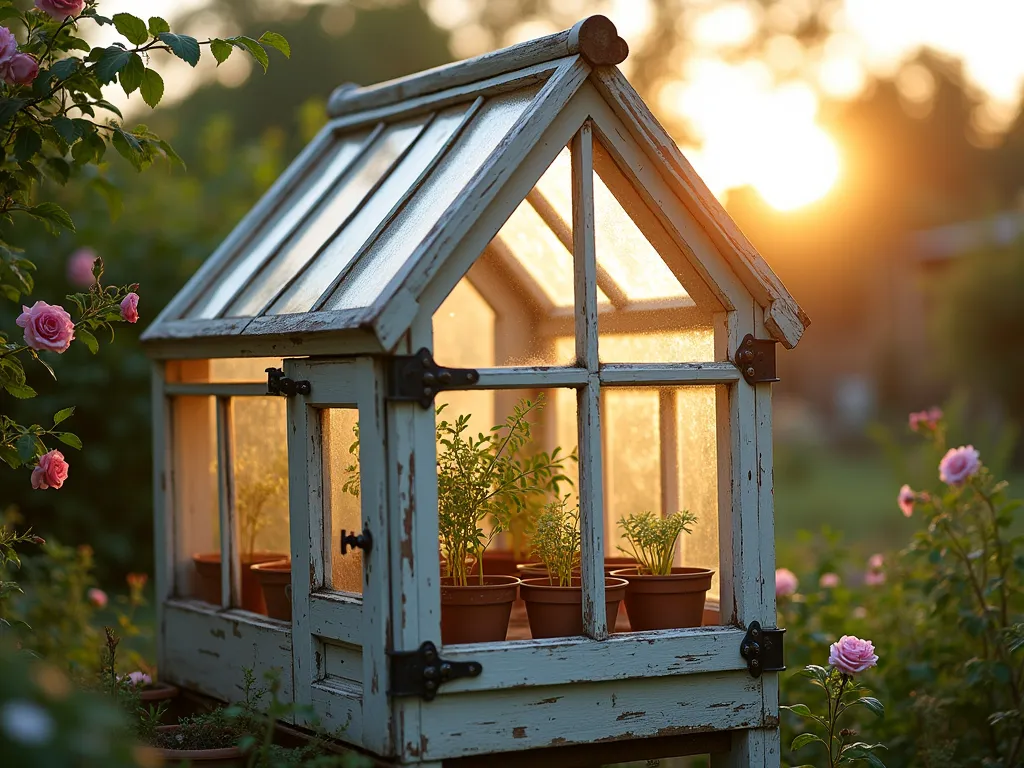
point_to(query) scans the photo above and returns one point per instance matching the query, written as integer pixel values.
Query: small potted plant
(481, 479)
(554, 604)
(251, 500)
(660, 596)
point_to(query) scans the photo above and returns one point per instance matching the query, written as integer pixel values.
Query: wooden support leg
(756, 748)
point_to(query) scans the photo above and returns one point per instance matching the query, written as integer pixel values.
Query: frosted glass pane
(626, 255)
(541, 253)
(289, 215)
(464, 329)
(393, 249)
(632, 462)
(556, 186)
(696, 345)
(250, 369)
(332, 214)
(341, 489)
(196, 505)
(337, 256)
(261, 475)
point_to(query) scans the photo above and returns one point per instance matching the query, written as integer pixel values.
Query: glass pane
(290, 214)
(626, 255)
(661, 455)
(332, 216)
(542, 255)
(260, 456)
(464, 309)
(341, 490)
(242, 369)
(196, 505)
(655, 346)
(393, 249)
(337, 256)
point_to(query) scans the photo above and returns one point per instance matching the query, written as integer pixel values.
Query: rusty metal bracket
(763, 649)
(279, 384)
(417, 378)
(423, 671)
(756, 360)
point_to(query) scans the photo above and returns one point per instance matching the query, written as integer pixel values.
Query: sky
(755, 122)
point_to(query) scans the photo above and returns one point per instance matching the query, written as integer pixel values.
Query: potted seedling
(481, 479)
(660, 596)
(254, 491)
(554, 604)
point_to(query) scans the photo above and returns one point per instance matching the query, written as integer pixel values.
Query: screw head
(750, 372)
(445, 377)
(429, 379)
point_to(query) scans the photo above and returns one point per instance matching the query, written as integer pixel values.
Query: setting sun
(801, 168)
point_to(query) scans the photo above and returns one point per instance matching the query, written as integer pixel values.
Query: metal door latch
(279, 384)
(762, 648)
(756, 360)
(363, 541)
(423, 671)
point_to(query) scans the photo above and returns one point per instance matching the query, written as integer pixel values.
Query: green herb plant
(488, 478)
(652, 539)
(556, 540)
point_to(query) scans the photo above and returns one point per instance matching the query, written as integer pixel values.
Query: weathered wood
(216, 390)
(667, 374)
(594, 37)
(754, 748)
(510, 172)
(578, 661)
(785, 321)
(318, 342)
(163, 502)
(339, 708)
(591, 499)
(343, 662)
(525, 378)
(207, 650)
(337, 616)
(522, 719)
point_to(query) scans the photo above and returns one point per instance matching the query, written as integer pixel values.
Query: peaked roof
(351, 236)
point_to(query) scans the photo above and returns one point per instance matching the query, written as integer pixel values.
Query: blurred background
(873, 150)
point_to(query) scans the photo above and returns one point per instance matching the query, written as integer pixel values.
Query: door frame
(360, 710)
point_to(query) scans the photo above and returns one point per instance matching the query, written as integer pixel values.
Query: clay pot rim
(503, 582)
(542, 584)
(219, 753)
(678, 574)
(159, 689)
(273, 566)
(264, 555)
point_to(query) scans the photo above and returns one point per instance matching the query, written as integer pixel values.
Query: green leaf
(221, 50)
(278, 42)
(253, 47)
(88, 339)
(131, 27)
(65, 68)
(170, 153)
(114, 59)
(9, 108)
(27, 144)
(10, 455)
(69, 439)
(63, 415)
(152, 87)
(104, 104)
(184, 47)
(20, 391)
(67, 129)
(158, 26)
(132, 74)
(26, 447)
(111, 194)
(128, 147)
(876, 707)
(799, 709)
(803, 740)
(53, 216)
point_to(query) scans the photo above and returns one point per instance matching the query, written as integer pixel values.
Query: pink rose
(925, 420)
(47, 327)
(959, 464)
(829, 580)
(875, 562)
(80, 267)
(139, 678)
(97, 597)
(51, 472)
(130, 308)
(8, 46)
(785, 582)
(874, 578)
(61, 9)
(906, 500)
(851, 655)
(21, 70)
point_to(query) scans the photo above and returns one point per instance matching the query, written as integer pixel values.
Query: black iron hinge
(423, 671)
(762, 648)
(279, 384)
(756, 360)
(417, 378)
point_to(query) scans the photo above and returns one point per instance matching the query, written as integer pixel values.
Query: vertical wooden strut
(595, 622)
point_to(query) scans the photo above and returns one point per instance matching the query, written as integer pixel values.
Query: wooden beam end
(597, 41)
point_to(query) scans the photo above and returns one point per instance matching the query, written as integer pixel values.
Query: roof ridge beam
(594, 38)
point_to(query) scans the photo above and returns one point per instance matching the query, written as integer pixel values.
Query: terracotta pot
(666, 602)
(154, 693)
(225, 757)
(617, 563)
(539, 570)
(275, 580)
(556, 611)
(532, 571)
(477, 613)
(208, 581)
